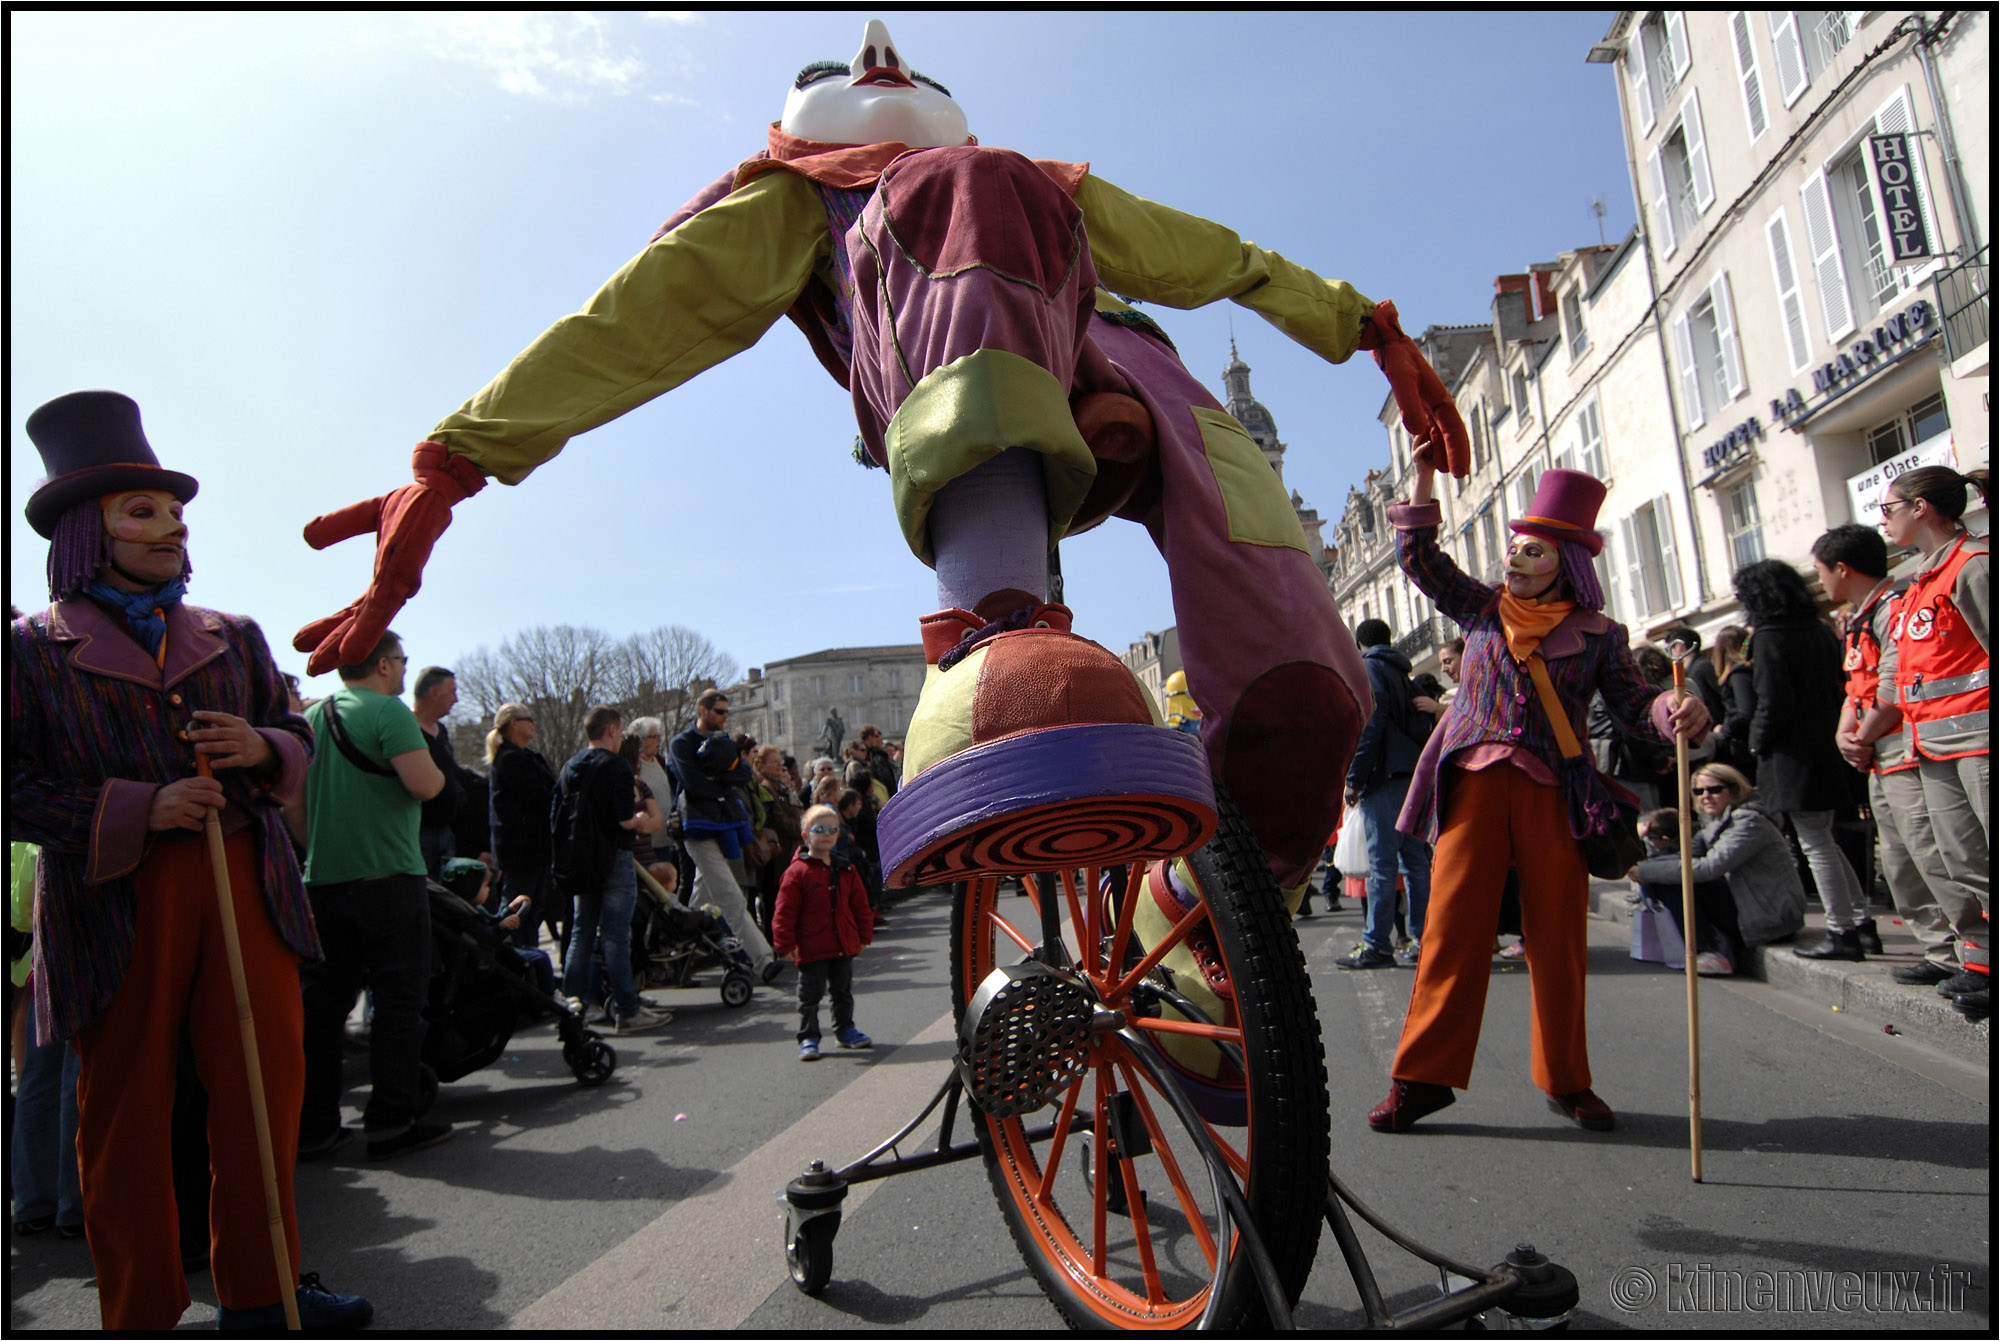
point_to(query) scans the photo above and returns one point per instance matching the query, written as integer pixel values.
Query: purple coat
(1496, 702)
(91, 724)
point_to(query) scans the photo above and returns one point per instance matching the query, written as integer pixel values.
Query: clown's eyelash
(819, 70)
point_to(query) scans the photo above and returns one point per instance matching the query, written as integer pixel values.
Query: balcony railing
(1965, 303)
(1831, 33)
(1418, 640)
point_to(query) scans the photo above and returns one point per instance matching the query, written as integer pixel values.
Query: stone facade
(1152, 659)
(787, 703)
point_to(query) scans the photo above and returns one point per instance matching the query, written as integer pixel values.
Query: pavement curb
(1862, 991)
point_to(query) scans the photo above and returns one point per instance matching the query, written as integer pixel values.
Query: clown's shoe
(1032, 749)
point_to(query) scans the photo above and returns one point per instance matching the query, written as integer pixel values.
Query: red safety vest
(1942, 674)
(1863, 664)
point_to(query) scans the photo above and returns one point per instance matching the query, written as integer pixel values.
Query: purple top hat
(91, 444)
(1565, 508)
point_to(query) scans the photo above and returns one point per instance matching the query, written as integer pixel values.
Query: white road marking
(725, 1241)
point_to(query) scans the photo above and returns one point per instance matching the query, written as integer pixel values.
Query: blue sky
(299, 240)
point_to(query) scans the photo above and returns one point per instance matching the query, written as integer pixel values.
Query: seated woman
(1746, 887)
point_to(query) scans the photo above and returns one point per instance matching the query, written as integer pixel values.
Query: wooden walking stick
(1687, 923)
(281, 1251)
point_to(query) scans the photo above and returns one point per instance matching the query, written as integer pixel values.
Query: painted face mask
(876, 98)
(145, 517)
(1532, 563)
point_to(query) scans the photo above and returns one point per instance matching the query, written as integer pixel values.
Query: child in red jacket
(821, 922)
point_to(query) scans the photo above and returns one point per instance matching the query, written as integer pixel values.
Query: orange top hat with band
(1565, 508)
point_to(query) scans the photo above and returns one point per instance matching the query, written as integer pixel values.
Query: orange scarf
(1526, 623)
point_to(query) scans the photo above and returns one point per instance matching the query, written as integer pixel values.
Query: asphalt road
(649, 1203)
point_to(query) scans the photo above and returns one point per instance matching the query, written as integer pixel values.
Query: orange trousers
(180, 974)
(1498, 817)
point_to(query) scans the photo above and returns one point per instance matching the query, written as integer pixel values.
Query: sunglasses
(821, 828)
(1709, 791)
(720, 712)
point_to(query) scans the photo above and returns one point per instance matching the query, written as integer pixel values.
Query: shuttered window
(1791, 303)
(1823, 241)
(1792, 77)
(1690, 374)
(1748, 72)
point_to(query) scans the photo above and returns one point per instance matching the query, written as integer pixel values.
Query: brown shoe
(1585, 1109)
(1409, 1100)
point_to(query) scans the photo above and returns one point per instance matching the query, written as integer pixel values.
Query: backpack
(580, 852)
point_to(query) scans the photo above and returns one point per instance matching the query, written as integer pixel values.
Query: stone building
(1248, 411)
(1152, 659)
(1815, 188)
(788, 703)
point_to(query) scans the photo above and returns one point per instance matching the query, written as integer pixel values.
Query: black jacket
(704, 796)
(520, 788)
(1396, 731)
(441, 811)
(596, 793)
(1800, 686)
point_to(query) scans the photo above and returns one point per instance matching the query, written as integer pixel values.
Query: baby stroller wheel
(809, 1255)
(591, 1061)
(1225, 1013)
(736, 988)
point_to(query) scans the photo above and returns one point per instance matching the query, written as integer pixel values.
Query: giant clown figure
(964, 295)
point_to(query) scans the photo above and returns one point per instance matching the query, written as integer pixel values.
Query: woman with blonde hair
(521, 785)
(1747, 889)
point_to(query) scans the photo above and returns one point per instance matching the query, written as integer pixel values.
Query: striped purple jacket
(1496, 702)
(91, 735)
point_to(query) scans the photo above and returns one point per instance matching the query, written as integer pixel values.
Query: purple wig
(1580, 573)
(80, 547)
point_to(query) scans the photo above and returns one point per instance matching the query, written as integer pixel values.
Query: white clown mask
(876, 98)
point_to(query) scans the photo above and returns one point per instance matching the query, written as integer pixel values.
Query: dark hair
(1942, 487)
(1456, 647)
(429, 678)
(628, 750)
(1426, 684)
(1772, 592)
(387, 646)
(710, 697)
(1681, 633)
(847, 794)
(1859, 547)
(1654, 664)
(602, 720)
(1664, 824)
(1371, 633)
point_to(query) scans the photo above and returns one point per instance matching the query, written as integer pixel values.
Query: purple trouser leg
(967, 250)
(1282, 690)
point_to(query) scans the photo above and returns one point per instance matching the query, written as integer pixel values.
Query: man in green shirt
(365, 876)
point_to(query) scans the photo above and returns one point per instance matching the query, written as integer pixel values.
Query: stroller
(481, 991)
(671, 943)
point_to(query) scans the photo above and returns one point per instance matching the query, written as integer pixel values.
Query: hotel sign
(1915, 325)
(1908, 239)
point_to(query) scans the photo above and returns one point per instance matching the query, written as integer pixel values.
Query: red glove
(1428, 412)
(406, 522)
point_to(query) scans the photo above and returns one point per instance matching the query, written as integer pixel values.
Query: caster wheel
(591, 1061)
(810, 1254)
(736, 989)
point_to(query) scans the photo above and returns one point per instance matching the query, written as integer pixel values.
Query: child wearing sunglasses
(821, 923)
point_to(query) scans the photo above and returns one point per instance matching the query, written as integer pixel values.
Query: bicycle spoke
(1153, 956)
(1121, 935)
(1238, 1164)
(1007, 929)
(1196, 1220)
(1057, 1144)
(1086, 927)
(1142, 1229)
(1166, 1026)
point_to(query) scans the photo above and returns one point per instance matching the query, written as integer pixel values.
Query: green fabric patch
(942, 724)
(1253, 498)
(966, 413)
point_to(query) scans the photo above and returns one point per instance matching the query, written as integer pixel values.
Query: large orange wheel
(1132, 1242)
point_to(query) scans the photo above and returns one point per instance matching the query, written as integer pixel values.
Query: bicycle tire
(1280, 1155)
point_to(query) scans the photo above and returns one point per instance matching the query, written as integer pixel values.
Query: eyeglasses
(521, 717)
(822, 828)
(720, 712)
(1709, 791)
(1889, 508)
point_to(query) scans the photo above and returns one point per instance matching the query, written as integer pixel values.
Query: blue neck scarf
(145, 611)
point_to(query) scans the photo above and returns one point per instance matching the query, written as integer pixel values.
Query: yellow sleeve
(1159, 255)
(705, 291)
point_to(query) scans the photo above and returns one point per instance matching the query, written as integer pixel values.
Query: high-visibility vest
(1863, 664)
(1942, 673)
